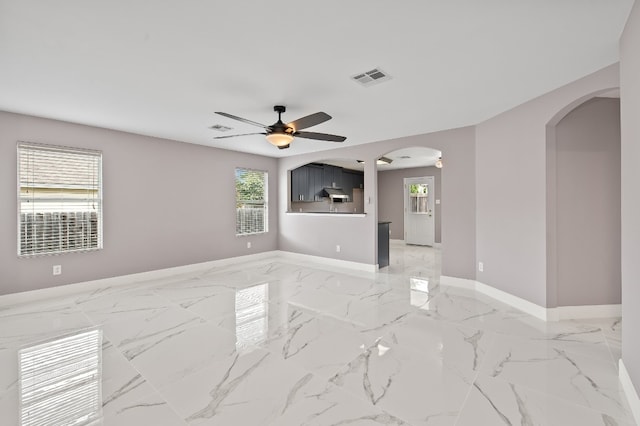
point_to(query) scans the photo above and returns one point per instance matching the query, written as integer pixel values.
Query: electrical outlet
(57, 269)
(481, 266)
(248, 244)
(338, 249)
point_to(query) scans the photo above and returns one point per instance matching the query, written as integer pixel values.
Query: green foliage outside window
(249, 185)
(251, 201)
(418, 188)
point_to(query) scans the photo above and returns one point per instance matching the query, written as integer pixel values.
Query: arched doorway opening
(409, 200)
(583, 205)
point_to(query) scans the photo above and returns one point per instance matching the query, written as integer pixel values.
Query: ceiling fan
(280, 134)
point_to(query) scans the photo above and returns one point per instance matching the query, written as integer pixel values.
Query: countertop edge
(326, 214)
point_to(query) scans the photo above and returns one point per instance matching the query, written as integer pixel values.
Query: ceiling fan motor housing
(279, 126)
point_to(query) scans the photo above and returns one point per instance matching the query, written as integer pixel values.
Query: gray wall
(166, 204)
(588, 204)
(511, 166)
(391, 198)
(357, 236)
(630, 111)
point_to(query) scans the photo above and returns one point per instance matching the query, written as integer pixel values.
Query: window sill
(58, 253)
(251, 234)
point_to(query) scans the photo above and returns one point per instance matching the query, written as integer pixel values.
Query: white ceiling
(162, 68)
(404, 158)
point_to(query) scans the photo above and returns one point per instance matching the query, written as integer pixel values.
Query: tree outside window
(251, 201)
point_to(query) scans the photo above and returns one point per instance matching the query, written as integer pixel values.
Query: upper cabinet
(316, 176)
(332, 176)
(352, 179)
(308, 182)
(299, 183)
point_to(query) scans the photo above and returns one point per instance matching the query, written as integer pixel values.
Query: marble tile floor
(276, 342)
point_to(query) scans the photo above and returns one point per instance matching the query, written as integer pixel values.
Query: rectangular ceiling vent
(372, 77)
(220, 128)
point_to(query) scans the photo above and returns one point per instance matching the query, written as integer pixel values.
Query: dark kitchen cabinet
(316, 175)
(307, 183)
(332, 176)
(352, 179)
(299, 183)
(347, 181)
(358, 181)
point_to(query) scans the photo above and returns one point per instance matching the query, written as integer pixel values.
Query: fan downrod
(279, 109)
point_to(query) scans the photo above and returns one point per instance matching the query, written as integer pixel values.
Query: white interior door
(419, 220)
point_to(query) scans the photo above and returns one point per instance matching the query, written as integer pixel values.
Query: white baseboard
(545, 314)
(501, 296)
(629, 391)
(327, 261)
(83, 287)
(458, 282)
(515, 301)
(589, 311)
(437, 245)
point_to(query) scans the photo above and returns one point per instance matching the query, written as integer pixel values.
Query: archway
(583, 203)
(395, 173)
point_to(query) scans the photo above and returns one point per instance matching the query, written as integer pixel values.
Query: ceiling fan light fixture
(281, 135)
(439, 162)
(279, 139)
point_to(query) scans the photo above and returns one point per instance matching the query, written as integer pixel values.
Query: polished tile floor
(275, 342)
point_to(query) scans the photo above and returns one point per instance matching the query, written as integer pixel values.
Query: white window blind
(60, 381)
(59, 199)
(251, 201)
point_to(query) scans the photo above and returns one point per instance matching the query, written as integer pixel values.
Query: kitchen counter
(341, 214)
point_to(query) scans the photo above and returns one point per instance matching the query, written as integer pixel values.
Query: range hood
(336, 194)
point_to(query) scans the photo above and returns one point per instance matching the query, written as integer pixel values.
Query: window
(59, 199)
(419, 193)
(251, 201)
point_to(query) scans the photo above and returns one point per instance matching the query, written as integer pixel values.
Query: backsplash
(355, 206)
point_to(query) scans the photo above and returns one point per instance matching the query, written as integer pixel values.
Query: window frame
(265, 200)
(99, 199)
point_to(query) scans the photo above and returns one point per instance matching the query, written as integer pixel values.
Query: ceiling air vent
(220, 128)
(372, 77)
